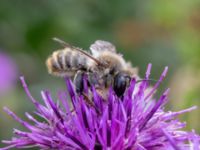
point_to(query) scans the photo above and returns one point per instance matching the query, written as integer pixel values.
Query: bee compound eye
(120, 84)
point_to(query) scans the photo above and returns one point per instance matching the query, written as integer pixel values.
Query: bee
(102, 65)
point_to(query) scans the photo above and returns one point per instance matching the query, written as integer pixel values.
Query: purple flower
(8, 73)
(134, 122)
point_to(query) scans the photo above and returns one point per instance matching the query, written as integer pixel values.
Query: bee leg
(92, 79)
(88, 100)
(79, 82)
(79, 85)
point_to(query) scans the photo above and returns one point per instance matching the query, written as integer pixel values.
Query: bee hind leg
(79, 82)
(80, 86)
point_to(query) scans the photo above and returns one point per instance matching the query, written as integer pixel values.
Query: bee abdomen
(66, 62)
(79, 61)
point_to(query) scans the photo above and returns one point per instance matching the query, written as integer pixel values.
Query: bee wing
(100, 46)
(66, 45)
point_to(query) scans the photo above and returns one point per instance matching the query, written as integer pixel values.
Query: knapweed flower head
(8, 73)
(135, 121)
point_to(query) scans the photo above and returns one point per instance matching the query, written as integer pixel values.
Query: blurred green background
(163, 32)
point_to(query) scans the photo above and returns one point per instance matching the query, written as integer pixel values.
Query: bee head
(121, 81)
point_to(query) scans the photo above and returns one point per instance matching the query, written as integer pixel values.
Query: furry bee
(103, 66)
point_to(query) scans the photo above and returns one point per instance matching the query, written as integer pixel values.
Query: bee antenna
(154, 80)
(64, 44)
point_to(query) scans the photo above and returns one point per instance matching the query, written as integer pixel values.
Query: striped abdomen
(66, 62)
